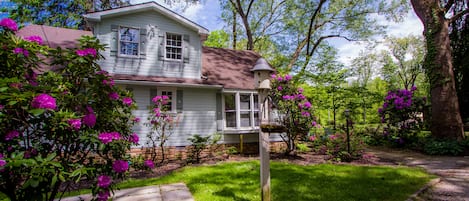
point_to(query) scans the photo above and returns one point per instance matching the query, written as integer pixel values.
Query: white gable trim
(97, 16)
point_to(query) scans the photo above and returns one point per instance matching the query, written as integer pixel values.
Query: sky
(208, 14)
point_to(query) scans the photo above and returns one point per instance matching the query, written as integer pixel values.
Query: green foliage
(303, 148)
(434, 146)
(336, 147)
(240, 181)
(62, 125)
(372, 135)
(199, 143)
(217, 38)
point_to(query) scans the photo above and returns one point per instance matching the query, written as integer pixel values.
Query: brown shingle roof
(54, 36)
(220, 67)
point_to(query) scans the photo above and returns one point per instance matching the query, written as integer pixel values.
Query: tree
(59, 13)
(217, 38)
(459, 36)
(406, 54)
(436, 16)
(60, 126)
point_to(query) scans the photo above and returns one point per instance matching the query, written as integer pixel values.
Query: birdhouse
(262, 72)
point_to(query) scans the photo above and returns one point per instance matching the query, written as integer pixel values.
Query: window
(241, 110)
(173, 46)
(129, 40)
(170, 92)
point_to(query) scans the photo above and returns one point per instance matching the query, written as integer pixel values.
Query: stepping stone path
(170, 192)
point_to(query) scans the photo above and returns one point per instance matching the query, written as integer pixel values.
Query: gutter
(169, 84)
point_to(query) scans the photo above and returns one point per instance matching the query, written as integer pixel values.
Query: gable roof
(148, 6)
(221, 68)
(227, 68)
(54, 36)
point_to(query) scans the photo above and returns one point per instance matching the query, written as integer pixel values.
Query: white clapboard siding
(150, 64)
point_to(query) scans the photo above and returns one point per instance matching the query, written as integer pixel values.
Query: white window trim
(174, 97)
(182, 47)
(119, 43)
(252, 111)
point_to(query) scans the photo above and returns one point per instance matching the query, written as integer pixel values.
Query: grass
(240, 181)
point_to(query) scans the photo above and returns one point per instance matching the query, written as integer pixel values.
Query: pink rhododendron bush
(295, 112)
(59, 126)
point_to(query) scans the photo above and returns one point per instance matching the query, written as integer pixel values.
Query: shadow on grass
(240, 181)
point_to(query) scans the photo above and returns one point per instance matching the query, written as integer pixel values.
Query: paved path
(453, 171)
(171, 192)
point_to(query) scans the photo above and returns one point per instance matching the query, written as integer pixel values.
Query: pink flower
(19, 50)
(86, 52)
(273, 76)
(44, 101)
(104, 181)
(11, 135)
(75, 124)
(102, 72)
(109, 82)
(114, 95)
(127, 101)
(120, 166)
(149, 164)
(103, 195)
(134, 138)
(314, 123)
(34, 39)
(136, 120)
(9, 24)
(115, 135)
(89, 119)
(312, 138)
(156, 99)
(105, 138)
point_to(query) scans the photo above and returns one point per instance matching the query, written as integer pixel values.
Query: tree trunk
(235, 35)
(446, 119)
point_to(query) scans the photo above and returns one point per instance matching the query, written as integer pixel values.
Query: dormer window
(129, 41)
(173, 46)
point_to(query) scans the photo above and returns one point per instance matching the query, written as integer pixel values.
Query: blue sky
(208, 14)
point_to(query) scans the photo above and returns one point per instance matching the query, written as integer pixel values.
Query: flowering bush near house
(402, 113)
(296, 112)
(59, 126)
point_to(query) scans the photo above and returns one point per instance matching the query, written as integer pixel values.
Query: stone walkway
(171, 192)
(453, 184)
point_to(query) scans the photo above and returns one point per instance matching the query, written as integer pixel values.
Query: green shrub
(302, 148)
(434, 146)
(336, 147)
(199, 143)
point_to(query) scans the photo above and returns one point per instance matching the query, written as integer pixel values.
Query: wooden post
(264, 146)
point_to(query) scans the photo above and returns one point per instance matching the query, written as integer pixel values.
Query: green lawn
(240, 181)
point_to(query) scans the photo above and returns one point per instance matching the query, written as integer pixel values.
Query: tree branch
(311, 22)
(458, 15)
(449, 5)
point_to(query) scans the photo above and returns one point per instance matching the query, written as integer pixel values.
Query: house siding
(150, 64)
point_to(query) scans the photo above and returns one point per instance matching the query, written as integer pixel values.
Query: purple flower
(104, 181)
(75, 124)
(103, 195)
(300, 90)
(288, 97)
(120, 166)
(105, 138)
(89, 119)
(127, 101)
(134, 138)
(149, 164)
(11, 135)
(19, 50)
(2, 162)
(380, 110)
(102, 72)
(280, 88)
(307, 105)
(44, 101)
(114, 95)
(9, 24)
(86, 52)
(300, 96)
(156, 99)
(305, 114)
(288, 77)
(273, 76)
(279, 78)
(34, 39)
(115, 135)
(136, 120)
